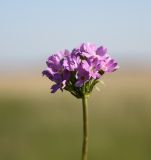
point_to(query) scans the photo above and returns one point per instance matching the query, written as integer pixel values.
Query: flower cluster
(78, 71)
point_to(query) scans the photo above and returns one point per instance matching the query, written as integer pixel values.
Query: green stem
(85, 128)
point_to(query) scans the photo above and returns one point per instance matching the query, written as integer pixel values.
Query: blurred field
(36, 125)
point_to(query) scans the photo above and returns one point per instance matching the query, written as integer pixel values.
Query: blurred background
(37, 125)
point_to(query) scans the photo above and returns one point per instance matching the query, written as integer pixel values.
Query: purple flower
(71, 63)
(85, 50)
(76, 52)
(109, 65)
(60, 83)
(88, 48)
(72, 71)
(101, 53)
(57, 86)
(94, 68)
(82, 75)
(48, 73)
(55, 62)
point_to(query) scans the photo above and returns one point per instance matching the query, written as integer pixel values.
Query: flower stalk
(85, 128)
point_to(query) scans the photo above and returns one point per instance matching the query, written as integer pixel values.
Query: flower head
(79, 71)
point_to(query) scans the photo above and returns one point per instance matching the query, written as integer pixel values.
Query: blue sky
(30, 30)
